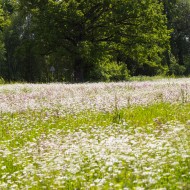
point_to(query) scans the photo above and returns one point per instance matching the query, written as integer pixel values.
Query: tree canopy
(86, 40)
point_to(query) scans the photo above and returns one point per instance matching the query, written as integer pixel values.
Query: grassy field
(128, 136)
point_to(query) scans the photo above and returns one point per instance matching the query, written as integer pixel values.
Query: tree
(178, 14)
(22, 59)
(86, 31)
(4, 21)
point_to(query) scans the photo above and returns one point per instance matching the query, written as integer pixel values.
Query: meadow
(124, 136)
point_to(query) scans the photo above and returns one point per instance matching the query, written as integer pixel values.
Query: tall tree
(86, 29)
(178, 14)
(4, 22)
(22, 59)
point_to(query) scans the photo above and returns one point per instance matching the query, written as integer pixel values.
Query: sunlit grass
(31, 139)
(136, 146)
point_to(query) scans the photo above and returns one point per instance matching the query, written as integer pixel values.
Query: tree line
(94, 40)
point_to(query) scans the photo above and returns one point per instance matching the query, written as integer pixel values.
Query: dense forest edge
(79, 41)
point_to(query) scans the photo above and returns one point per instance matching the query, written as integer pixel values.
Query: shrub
(107, 70)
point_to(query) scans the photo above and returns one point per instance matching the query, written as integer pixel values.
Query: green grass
(18, 130)
(150, 78)
(135, 116)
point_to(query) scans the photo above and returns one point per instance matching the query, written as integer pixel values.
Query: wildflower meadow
(93, 136)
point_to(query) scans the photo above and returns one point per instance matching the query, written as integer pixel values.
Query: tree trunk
(78, 70)
(179, 43)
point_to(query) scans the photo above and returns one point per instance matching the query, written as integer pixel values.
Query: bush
(175, 68)
(107, 70)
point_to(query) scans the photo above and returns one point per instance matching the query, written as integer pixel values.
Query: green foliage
(107, 70)
(175, 68)
(86, 29)
(2, 81)
(2, 48)
(74, 36)
(178, 20)
(3, 23)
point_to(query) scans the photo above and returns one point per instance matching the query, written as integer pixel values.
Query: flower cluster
(98, 96)
(112, 157)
